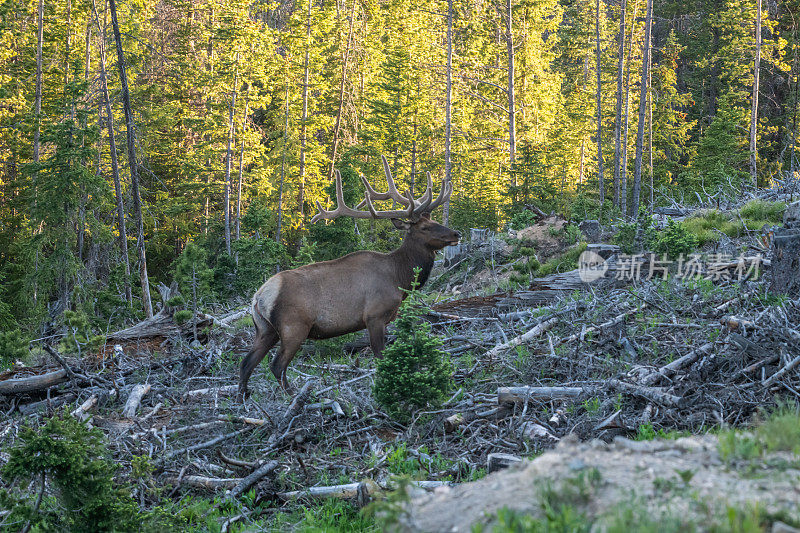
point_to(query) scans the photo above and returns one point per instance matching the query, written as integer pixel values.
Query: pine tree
(413, 373)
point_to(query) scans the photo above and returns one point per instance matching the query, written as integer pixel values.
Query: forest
(161, 160)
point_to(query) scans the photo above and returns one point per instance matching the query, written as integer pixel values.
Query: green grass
(755, 214)
(778, 431)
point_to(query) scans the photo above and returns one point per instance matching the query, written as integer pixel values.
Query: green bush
(625, 237)
(522, 219)
(413, 373)
(674, 240)
(79, 337)
(73, 462)
(13, 347)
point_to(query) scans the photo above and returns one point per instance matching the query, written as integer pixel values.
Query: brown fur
(331, 298)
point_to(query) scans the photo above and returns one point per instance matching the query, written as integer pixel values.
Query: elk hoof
(242, 394)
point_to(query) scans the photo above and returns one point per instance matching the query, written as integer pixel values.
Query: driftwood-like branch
(252, 479)
(649, 393)
(613, 322)
(525, 337)
(33, 383)
(82, 412)
(670, 369)
(227, 390)
(521, 394)
(202, 482)
(791, 365)
(134, 399)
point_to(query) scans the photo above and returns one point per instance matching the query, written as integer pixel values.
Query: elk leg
(377, 336)
(292, 338)
(265, 339)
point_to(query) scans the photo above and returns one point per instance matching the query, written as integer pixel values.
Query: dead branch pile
(672, 356)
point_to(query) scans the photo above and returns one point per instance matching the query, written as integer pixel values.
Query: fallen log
(52, 403)
(82, 411)
(525, 337)
(649, 393)
(350, 490)
(134, 399)
(202, 482)
(252, 479)
(226, 390)
(670, 369)
(791, 365)
(33, 383)
(521, 394)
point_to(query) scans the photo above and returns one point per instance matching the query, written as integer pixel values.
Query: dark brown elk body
(360, 290)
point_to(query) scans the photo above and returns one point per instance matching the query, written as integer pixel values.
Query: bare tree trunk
(337, 127)
(241, 170)
(112, 152)
(637, 173)
(303, 125)
(796, 76)
(37, 106)
(82, 205)
(650, 123)
(448, 107)
(512, 142)
(600, 179)
(623, 191)
(283, 164)
(131, 139)
(754, 108)
(582, 160)
(618, 111)
(228, 157)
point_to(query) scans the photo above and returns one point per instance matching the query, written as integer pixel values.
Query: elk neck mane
(410, 255)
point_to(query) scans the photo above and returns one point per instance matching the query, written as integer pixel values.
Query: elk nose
(458, 234)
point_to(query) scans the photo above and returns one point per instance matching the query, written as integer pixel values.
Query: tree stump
(785, 268)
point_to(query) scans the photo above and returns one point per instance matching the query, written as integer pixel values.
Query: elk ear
(401, 224)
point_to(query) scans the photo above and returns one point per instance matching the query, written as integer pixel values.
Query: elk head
(414, 219)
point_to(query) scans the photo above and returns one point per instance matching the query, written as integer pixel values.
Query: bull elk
(360, 290)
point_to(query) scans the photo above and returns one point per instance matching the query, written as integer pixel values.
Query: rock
(669, 211)
(591, 230)
(500, 461)
(603, 250)
(791, 216)
(780, 527)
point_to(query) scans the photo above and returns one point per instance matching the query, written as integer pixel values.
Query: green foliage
(625, 237)
(674, 240)
(79, 337)
(193, 275)
(74, 462)
(413, 373)
(182, 316)
(13, 347)
(778, 431)
(522, 219)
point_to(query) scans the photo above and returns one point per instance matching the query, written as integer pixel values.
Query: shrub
(674, 240)
(626, 237)
(79, 337)
(73, 461)
(13, 347)
(413, 373)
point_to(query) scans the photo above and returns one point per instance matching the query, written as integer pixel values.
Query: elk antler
(414, 208)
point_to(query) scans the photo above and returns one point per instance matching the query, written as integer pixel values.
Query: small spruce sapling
(413, 372)
(193, 276)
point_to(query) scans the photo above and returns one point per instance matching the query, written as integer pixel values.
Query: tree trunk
(512, 142)
(303, 125)
(618, 111)
(796, 77)
(601, 185)
(112, 152)
(754, 108)
(131, 138)
(241, 170)
(623, 191)
(650, 123)
(37, 106)
(337, 127)
(637, 172)
(228, 157)
(448, 107)
(283, 164)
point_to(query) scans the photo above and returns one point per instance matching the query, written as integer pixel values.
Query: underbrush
(709, 225)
